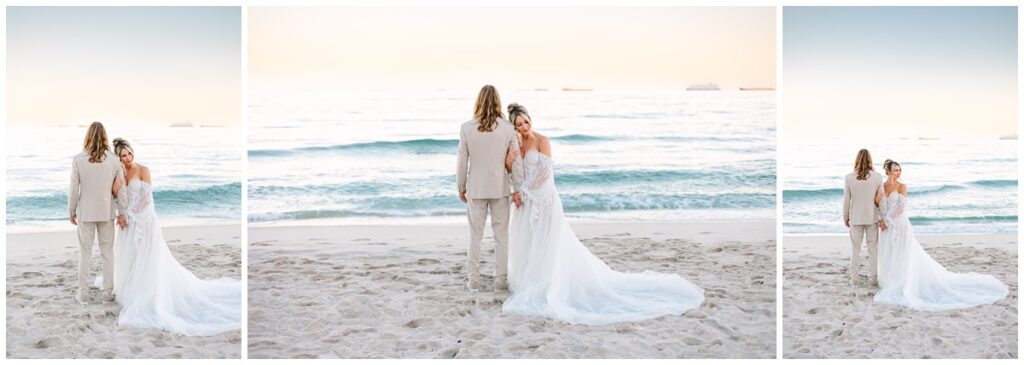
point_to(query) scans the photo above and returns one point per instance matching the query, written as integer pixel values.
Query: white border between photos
(780, 137)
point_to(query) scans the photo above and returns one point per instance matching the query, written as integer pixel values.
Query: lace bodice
(538, 168)
(896, 205)
(140, 198)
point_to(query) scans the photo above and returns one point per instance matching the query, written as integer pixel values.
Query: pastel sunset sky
(870, 72)
(145, 65)
(528, 47)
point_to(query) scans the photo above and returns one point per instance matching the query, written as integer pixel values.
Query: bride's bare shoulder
(902, 188)
(144, 173)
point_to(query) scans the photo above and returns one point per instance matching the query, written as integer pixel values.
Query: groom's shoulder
(79, 156)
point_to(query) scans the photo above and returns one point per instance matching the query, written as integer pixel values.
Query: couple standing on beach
(549, 272)
(904, 273)
(153, 289)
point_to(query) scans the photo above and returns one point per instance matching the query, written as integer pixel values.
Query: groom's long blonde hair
(96, 142)
(487, 109)
(862, 165)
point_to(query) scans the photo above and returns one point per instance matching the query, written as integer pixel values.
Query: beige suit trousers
(499, 212)
(857, 235)
(88, 232)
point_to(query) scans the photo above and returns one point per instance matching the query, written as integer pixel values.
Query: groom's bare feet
(108, 295)
(500, 284)
(82, 297)
(873, 283)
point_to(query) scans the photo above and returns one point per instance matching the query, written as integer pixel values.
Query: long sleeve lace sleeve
(144, 200)
(518, 170)
(542, 176)
(896, 210)
(882, 208)
(121, 198)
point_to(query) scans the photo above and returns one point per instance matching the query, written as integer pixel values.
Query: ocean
(196, 173)
(633, 156)
(965, 186)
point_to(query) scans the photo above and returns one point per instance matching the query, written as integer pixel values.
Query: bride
(153, 289)
(908, 276)
(552, 274)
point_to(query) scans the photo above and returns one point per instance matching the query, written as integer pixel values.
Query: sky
(906, 72)
(146, 65)
(625, 48)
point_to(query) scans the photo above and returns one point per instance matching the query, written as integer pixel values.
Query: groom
(861, 215)
(484, 184)
(94, 172)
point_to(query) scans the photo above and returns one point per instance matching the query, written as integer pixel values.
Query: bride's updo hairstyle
(516, 110)
(120, 144)
(888, 166)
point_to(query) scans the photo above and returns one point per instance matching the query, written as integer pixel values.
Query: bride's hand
(118, 184)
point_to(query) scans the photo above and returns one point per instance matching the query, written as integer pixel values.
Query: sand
(823, 317)
(44, 320)
(395, 291)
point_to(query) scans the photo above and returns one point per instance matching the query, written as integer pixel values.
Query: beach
(44, 320)
(823, 317)
(396, 291)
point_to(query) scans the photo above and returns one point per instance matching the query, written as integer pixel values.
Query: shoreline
(818, 244)
(705, 232)
(19, 230)
(20, 244)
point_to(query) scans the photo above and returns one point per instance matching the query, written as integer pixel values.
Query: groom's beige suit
(482, 176)
(89, 196)
(860, 210)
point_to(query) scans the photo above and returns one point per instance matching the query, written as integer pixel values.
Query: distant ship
(575, 89)
(703, 87)
(182, 125)
(757, 89)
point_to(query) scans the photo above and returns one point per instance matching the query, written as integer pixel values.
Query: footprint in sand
(449, 353)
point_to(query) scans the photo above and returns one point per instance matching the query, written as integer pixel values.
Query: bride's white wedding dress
(908, 276)
(155, 291)
(552, 274)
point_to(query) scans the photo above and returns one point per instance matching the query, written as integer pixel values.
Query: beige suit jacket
(481, 166)
(859, 199)
(90, 192)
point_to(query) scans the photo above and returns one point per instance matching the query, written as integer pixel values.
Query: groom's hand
(122, 222)
(881, 224)
(74, 219)
(462, 196)
(517, 199)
